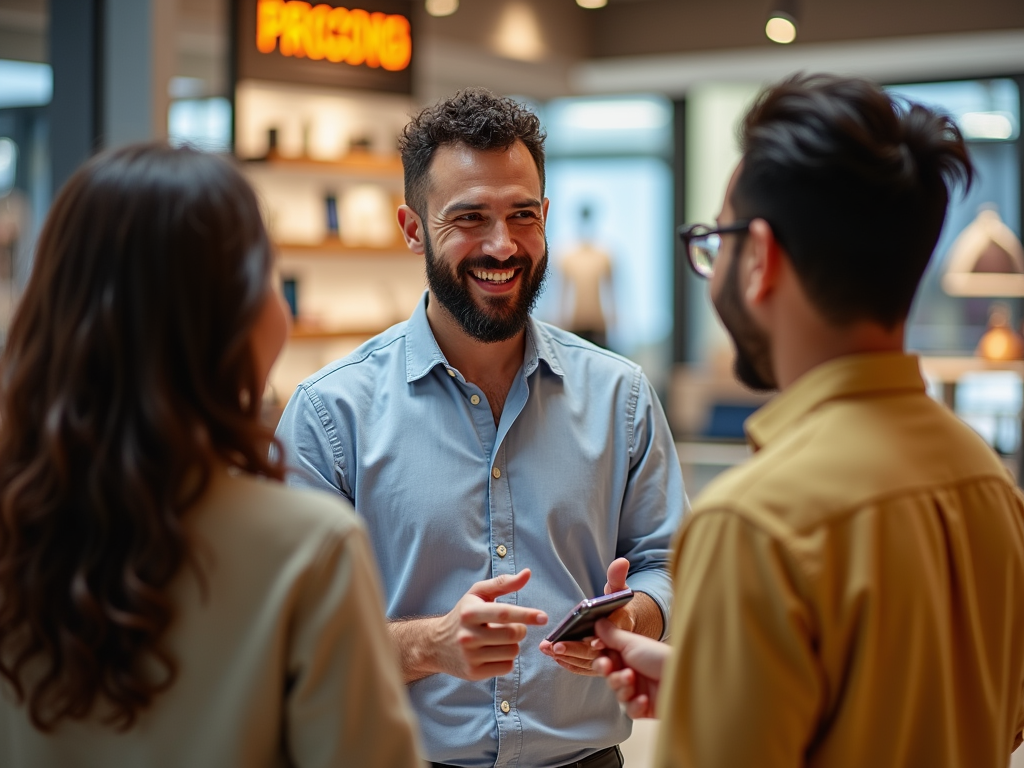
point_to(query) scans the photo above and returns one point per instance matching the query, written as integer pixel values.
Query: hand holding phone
(579, 622)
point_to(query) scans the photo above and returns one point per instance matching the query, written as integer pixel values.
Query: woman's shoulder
(257, 508)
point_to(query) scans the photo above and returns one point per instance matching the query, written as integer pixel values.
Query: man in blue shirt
(505, 469)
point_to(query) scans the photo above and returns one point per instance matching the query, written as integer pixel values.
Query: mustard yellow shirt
(853, 595)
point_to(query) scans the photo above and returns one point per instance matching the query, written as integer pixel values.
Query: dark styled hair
(474, 117)
(854, 185)
(128, 375)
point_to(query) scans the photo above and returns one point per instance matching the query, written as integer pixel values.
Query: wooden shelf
(311, 332)
(336, 248)
(950, 369)
(364, 164)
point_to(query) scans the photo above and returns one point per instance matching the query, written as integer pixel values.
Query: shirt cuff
(656, 584)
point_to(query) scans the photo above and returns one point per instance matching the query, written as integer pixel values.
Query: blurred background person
(585, 270)
(163, 598)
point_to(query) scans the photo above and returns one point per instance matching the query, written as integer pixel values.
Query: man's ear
(763, 262)
(412, 229)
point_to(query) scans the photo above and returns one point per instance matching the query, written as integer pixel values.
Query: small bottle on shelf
(331, 204)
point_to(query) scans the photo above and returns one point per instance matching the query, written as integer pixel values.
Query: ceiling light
(442, 7)
(781, 26)
(780, 29)
(591, 3)
(518, 35)
(617, 115)
(986, 125)
(25, 84)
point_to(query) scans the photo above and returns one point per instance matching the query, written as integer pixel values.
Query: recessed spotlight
(782, 21)
(442, 7)
(780, 28)
(591, 3)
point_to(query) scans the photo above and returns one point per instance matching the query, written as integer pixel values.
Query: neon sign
(339, 35)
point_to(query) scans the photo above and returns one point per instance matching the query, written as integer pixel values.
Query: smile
(491, 276)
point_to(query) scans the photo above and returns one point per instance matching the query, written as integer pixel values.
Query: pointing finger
(501, 613)
(489, 589)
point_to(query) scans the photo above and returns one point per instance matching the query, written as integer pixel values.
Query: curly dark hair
(127, 377)
(474, 117)
(854, 184)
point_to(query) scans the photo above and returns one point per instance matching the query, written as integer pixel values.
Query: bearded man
(505, 469)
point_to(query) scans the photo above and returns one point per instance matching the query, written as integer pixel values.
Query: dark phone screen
(580, 621)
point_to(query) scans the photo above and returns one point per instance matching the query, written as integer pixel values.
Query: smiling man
(505, 469)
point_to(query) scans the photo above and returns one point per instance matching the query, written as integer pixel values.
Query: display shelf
(314, 332)
(948, 370)
(335, 248)
(354, 165)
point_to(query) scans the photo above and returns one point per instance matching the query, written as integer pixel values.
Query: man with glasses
(853, 595)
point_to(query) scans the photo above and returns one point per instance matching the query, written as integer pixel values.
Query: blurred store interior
(640, 100)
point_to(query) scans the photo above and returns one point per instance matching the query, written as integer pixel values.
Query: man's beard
(753, 364)
(503, 317)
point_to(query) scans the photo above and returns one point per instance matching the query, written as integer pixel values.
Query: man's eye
(525, 215)
(469, 217)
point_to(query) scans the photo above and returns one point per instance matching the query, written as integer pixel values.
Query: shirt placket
(503, 560)
(502, 550)
(506, 687)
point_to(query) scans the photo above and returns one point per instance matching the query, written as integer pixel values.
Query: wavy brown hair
(127, 376)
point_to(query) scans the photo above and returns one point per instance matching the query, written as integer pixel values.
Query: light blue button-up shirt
(580, 470)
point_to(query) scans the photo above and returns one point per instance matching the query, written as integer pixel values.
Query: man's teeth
(494, 277)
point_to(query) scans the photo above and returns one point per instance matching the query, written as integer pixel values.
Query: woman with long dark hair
(164, 600)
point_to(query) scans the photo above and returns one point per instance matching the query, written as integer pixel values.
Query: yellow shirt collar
(849, 376)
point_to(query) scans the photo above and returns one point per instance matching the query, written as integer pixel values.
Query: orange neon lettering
(353, 36)
(293, 25)
(358, 22)
(396, 43)
(339, 35)
(314, 39)
(268, 25)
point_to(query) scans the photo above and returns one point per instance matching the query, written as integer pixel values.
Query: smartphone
(580, 621)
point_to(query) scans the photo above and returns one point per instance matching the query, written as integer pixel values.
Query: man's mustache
(495, 265)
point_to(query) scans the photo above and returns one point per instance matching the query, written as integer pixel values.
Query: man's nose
(499, 243)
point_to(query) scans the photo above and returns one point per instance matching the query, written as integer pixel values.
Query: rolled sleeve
(312, 454)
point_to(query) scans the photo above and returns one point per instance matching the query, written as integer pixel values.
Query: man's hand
(476, 639)
(641, 614)
(632, 665)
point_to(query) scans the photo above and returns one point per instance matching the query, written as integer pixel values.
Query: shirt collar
(851, 376)
(422, 352)
(540, 346)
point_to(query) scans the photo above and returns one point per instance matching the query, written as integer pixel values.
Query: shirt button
(451, 373)
(501, 550)
(505, 707)
(475, 399)
(496, 473)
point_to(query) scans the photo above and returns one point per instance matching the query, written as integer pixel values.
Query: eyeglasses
(703, 244)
